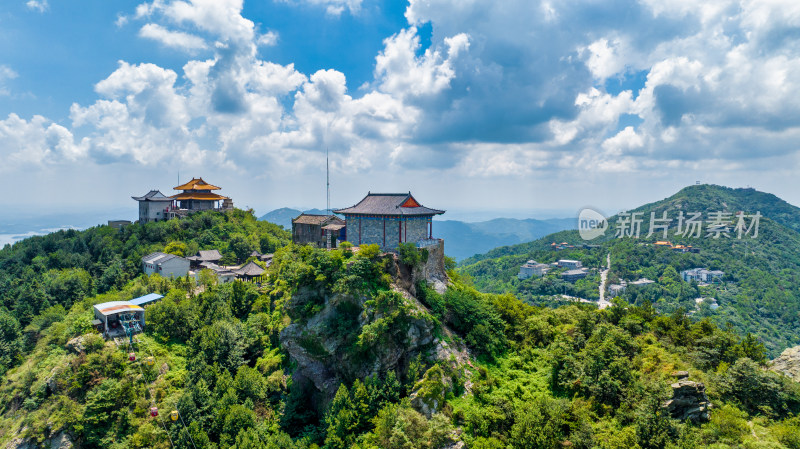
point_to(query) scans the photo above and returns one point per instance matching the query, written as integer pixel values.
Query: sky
(513, 108)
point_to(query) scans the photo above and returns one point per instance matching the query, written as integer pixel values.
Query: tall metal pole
(327, 180)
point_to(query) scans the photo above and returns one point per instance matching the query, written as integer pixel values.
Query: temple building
(324, 231)
(197, 195)
(388, 219)
(153, 206)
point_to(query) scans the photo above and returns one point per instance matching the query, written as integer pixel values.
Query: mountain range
(463, 239)
(759, 293)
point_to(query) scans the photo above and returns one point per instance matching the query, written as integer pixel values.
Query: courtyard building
(389, 219)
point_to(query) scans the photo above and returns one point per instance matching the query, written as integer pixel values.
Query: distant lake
(10, 239)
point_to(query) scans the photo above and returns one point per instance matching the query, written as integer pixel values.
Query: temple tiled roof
(389, 204)
(206, 255)
(197, 184)
(250, 269)
(314, 219)
(153, 195)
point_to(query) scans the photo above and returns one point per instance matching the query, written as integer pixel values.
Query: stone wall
(364, 231)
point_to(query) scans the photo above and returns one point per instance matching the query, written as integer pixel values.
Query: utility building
(118, 318)
(388, 219)
(307, 229)
(167, 265)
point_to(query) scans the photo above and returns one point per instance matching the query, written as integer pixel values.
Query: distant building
(570, 264)
(712, 302)
(574, 275)
(702, 275)
(224, 274)
(617, 289)
(266, 258)
(642, 282)
(663, 243)
(153, 206)
(249, 271)
(315, 230)
(532, 268)
(118, 224)
(167, 265)
(388, 219)
(197, 195)
(210, 255)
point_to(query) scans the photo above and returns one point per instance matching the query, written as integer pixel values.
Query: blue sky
(515, 107)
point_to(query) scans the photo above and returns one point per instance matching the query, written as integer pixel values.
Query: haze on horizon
(473, 106)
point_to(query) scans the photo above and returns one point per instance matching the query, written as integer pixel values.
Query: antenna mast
(327, 180)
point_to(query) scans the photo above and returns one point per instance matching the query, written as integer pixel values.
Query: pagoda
(198, 195)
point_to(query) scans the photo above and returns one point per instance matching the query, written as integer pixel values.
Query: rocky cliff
(788, 363)
(356, 336)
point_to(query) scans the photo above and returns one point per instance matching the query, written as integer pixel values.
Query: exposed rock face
(433, 270)
(788, 363)
(61, 441)
(689, 401)
(58, 441)
(326, 354)
(76, 345)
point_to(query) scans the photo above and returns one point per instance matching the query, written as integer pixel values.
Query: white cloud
(38, 5)
(268, 39)
(6, 73)
(26, 143)
(174, 39)
(507, 89)
(402, 73)
(333, 7)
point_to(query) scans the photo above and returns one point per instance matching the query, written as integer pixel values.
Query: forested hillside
(355, 349)
(759, 294)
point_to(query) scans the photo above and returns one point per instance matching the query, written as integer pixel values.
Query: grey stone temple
(388, 219)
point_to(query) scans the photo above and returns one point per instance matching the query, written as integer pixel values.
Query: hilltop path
(602, 303)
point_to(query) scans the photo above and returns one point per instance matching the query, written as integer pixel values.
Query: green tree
(10, 341)
(177, 248)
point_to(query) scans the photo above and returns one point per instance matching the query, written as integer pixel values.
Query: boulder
(76, 345)
(60, 441)
(689, 401)
(788, 363)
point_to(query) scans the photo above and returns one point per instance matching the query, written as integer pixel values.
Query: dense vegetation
(530, 377)
(760, 293)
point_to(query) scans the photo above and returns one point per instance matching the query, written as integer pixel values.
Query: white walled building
(532, 268)
(570, 264)
(167, 265)
(153, 206)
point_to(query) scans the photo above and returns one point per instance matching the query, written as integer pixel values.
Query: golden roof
(197, 184)
(205, 196)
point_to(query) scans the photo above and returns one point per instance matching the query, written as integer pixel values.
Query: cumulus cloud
(38, 5)
(6, 73)
(36, 141)
(174, 39)
(333, 7)
(504, 89)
